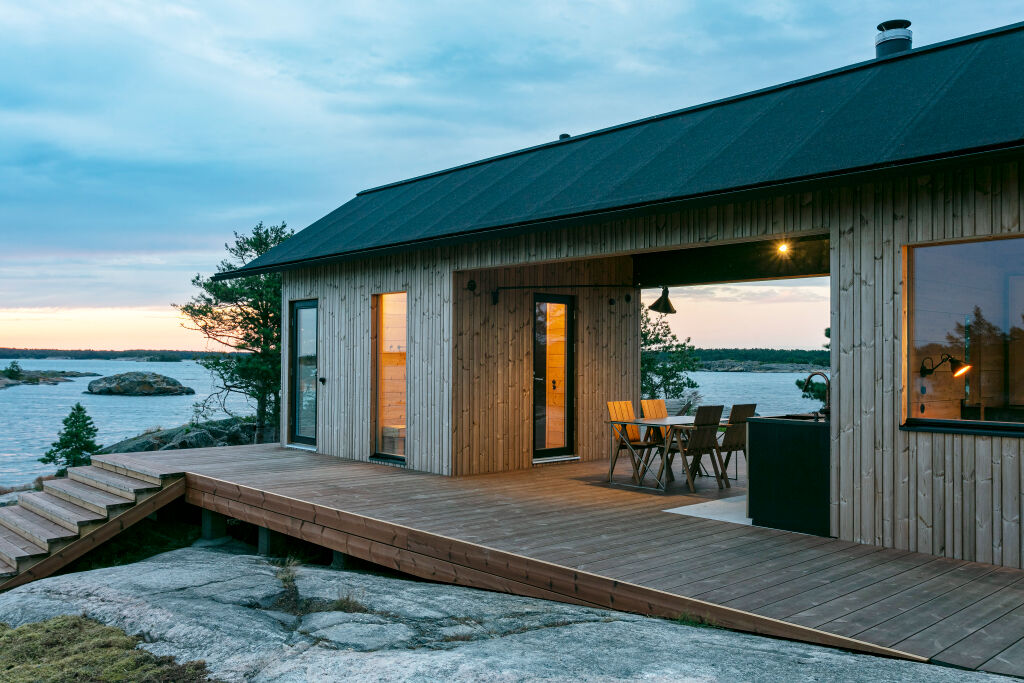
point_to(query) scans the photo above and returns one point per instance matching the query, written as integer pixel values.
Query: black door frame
(293, 331)
(570, 376)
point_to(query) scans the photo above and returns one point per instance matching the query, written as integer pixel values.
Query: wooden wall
(493, 427)
(952, 495)
(345, 294)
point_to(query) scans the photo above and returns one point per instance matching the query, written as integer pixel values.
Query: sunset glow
(98, 328)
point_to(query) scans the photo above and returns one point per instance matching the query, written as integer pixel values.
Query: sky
(136, 136)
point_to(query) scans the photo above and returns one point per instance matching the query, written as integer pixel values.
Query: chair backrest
(654, 407)
(735, 438)
(704, 435)
(623, 410)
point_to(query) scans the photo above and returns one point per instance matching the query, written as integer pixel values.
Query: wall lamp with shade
(662, 304)
(956, 366)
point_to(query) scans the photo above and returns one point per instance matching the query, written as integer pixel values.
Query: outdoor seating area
(653, 443)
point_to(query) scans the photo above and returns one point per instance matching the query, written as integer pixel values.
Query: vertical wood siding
(954, 495)
(493, 358)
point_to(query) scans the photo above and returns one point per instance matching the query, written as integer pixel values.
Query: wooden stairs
(48, 529)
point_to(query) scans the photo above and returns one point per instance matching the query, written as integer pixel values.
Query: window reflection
(967, 309)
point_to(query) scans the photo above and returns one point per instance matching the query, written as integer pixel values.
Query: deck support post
(340, 560)
(215, 525)
(271, 543)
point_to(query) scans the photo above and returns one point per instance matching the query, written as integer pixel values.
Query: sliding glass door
(302, 370)
(553, 341)
(390, 380)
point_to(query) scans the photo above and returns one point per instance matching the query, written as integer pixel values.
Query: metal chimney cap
(894, 37)
(893, 23)
(564, 136)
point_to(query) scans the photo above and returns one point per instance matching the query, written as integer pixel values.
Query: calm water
(30, 416)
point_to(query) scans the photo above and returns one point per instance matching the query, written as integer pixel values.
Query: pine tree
(664, 361)
(75, 443)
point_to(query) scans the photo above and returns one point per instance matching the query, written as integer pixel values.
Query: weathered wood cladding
(345, 290)
(956, 495)
(493, 426)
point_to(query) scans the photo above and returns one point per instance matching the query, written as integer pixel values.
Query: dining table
(667, 431)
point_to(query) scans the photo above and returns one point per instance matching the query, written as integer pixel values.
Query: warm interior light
(783, 248)
(957, 371)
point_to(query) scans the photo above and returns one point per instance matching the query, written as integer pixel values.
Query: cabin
(478, 319)
(452, 342)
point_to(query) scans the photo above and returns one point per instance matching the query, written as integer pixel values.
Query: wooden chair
(655, 407)
(734, 440)
(627, 438)
(703, 440)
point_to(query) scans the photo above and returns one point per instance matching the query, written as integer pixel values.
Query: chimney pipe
(894, 36)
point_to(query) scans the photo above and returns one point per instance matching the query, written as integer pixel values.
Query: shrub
(75, 444)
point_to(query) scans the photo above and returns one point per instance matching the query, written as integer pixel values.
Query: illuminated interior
(392, 317)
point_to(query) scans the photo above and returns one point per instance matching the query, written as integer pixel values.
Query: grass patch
(690, 620)
(72, 649)
(144, 539)
(291, 602)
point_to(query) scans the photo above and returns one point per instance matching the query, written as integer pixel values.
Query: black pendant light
(662, 304)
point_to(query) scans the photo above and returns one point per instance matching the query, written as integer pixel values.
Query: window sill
(555, 458)
(1010, 429)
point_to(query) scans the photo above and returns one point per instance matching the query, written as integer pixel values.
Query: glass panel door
(303, 372)
(392, 319)
(552, 376)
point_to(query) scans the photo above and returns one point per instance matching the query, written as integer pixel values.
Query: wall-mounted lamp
(957, 367)
(783, 247)
(662, 304)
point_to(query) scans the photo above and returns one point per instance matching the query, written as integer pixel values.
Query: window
(966, 324)
(390, 381)
(302, 373)
(553, 371)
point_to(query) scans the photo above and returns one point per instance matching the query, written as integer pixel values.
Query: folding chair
(734, 440)
(703, 440)
(627, 438)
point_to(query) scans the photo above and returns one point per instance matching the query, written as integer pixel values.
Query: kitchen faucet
(827, 408)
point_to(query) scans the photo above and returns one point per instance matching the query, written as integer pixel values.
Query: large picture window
(965, 319)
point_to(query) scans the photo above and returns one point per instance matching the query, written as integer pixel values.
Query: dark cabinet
(788, 463)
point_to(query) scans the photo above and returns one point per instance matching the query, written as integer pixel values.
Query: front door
(302, 373)
(553, 342)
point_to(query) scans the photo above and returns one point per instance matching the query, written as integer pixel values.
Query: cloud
(161, 127)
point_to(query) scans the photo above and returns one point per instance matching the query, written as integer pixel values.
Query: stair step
(138, 471)
(17, 551)
(86, 496)
(112, 482)
(7, 571)
(35, 528)
(59, 511)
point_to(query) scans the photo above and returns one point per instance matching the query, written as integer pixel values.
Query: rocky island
(138, 384)
(12, 377)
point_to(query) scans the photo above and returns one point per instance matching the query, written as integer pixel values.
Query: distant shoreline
(141, 355)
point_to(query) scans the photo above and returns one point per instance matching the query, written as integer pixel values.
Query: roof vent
(894, 36)
(564, 136)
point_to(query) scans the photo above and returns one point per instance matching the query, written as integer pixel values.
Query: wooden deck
(560, 532)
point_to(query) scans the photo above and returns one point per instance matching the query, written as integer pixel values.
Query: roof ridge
(866, 64)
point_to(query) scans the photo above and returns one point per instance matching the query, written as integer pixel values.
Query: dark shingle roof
(936, 101)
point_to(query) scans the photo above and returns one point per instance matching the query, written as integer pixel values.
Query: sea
(31, 415)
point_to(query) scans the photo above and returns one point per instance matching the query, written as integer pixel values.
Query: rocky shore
(234, 431)
(757, 366)
(253, 620)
